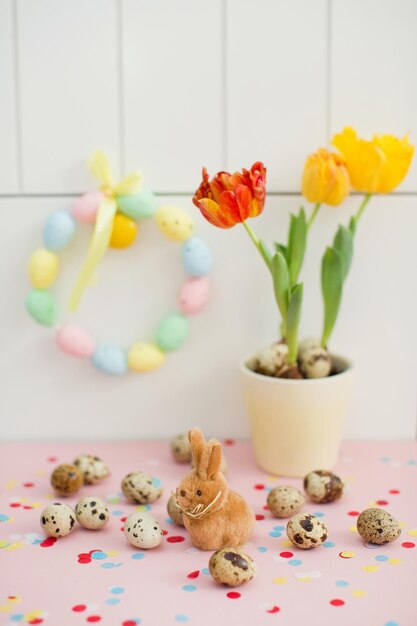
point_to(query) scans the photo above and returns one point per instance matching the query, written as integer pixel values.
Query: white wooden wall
(167, 86)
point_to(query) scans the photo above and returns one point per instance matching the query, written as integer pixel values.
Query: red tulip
(229, 199)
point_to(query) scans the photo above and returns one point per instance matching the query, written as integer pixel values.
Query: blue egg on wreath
(58, 231)
(196, 257)
(110, 359)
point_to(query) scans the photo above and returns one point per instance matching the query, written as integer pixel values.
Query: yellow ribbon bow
(99, 166)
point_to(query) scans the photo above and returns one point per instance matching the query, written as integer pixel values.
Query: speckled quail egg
(66, 479)
(142, 530)
(285, 501)
(92, 513)
(378, 526)
(306, 531)
(232, 567)
(271, 360)
(174, 511)
(141, 487)
(315, 362)
(307, 344)
(92, 468)
(323, 486)
(181, 448)
(58, 520)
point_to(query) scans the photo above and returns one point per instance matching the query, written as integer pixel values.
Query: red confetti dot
(353, 513)
(52, 459)
(266, 507)
(164, 532)
(382, 502)
(123, 519)
(27, 507)
(260, 517)
(259, 486)
(36, 620)
(90, 552)
(194, 574)
(233, 595)
(175, 539)
(11, 597)
(28, 484)
(273, 609)
(337, 602)
(408, 544)
(229, 442)
(79, 607)
(15, 504)
(84, 558)
(46, 543)
(129, 622)
(94, 618)
(286, 555)
(394, 491)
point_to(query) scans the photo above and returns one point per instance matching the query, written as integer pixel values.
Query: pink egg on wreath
(75, 340)
(86, 206)
(194, 295)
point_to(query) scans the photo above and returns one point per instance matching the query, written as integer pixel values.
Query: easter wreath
(114, 209)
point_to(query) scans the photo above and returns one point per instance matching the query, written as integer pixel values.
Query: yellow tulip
(376, 166)
(325, 178)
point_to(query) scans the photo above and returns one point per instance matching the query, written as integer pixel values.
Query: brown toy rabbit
(215, 516)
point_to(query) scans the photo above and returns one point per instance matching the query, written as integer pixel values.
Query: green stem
(256, 242)
(362, 208)
(313, 215)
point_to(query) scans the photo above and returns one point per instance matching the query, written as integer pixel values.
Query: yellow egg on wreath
(114, 210)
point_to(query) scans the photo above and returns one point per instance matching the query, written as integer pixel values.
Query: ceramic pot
(297, 425)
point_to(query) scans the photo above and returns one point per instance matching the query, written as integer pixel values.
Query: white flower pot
(297, 424)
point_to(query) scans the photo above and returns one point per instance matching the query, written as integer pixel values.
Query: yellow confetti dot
(349, 479)
(353, 529)
(11, 484)
(413, 532)
(33, 615)
(6, 608)
(273, 479)
(4, 544)
(279, 581)
(112, 553)
(142, 507)
(394, 561)
(40, 472)
(36, 505)
(402, 524)
(370, 568)
(286, 544)
(304, 579)
(14, 546)
(359, 593)
(346, 554)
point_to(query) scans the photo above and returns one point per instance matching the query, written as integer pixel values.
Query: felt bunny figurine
(215, 516)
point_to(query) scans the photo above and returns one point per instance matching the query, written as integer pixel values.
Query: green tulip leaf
(280, 277)
(297, 239)
(293, 321)
(281, 248)
(331, 286)
(266, 254)
(343, 243)
(352, 225)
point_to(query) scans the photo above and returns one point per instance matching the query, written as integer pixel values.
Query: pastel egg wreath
(129, 208)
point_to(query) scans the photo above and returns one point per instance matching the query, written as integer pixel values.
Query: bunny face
(205, 486)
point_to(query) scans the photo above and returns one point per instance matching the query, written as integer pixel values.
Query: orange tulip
(229, 199)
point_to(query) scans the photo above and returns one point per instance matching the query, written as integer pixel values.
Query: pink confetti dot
(286, 555)
(337, 602)
(408, 544)
(273, 609)
(175, 539)
(394, 491)
(229, 442)
(265, 507)
(28, 484)
(233, 595)
(79, 607)
(14, 505)
(382, 502)
(52, 459)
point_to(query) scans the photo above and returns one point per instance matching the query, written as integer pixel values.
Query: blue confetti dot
(295, 562)
(342, 583)
(138, 555)
(118, 513)
(318, 514)
(112, 601)
(17, 617)
(156, 481)
(205, 570)
(410, 462)
(117, 590)
(4, 518)
(98, 556)
(381, 557)
(391, 624)
(279, 528)
(262, 549)
(384, 459)
(268, 489)
(329, 544)
(169, 520)
(189, 588)
(111, 565)
(275, 533)
(181, 618)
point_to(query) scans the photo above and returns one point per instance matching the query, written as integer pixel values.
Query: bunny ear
(198, 444)
(211, 460)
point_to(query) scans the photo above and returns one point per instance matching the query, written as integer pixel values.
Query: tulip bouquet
(370, 167)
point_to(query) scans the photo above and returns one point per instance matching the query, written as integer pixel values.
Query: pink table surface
(46, 584)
